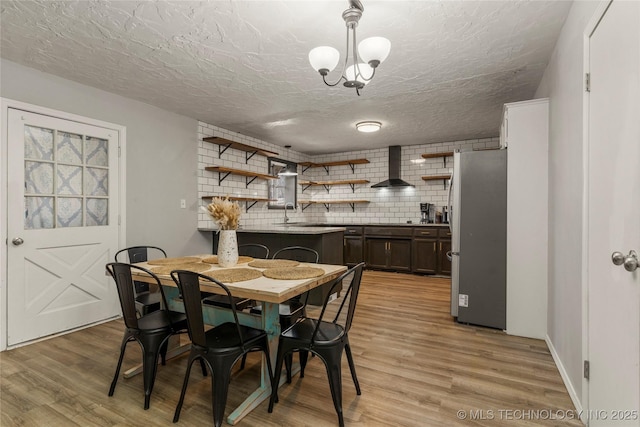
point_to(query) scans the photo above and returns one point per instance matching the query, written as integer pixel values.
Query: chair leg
(244, 360)
(288, 365)
(332, 358)
(150, 350)
(275, 379)
(220, 386)
(176, 415)
(204, 367)
(352, 367)
(265, 350)
(304, 356)
(163, 352)
(123, 346)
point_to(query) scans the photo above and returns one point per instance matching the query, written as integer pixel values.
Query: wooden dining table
(268, 292)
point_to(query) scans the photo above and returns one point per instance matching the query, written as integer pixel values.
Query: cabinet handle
(440, 246)
(434, 246)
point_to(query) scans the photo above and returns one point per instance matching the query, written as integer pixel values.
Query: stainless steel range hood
(395, 158)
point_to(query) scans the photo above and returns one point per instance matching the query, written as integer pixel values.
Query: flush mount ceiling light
(368, 127)
(359, 64)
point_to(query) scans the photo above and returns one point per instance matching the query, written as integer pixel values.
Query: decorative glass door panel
(66, 179)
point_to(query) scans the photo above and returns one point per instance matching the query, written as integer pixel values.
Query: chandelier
(359, 64)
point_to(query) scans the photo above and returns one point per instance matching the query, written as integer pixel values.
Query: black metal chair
(290, 311)
(325, 339)
(298, 253)
(254, 250)
(146, 299)
(151, 330)
(219, 347)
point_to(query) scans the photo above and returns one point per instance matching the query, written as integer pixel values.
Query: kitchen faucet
(286, 218)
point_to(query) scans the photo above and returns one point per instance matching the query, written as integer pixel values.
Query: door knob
(617, 258)
(17, 241)
(631, 261)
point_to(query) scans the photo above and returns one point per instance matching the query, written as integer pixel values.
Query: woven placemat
(230, 275)
(273, 263)
(214, 259)
(292, 273)
(197, 267)
(174, 261)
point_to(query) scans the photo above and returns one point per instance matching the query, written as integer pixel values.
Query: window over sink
(282, 191)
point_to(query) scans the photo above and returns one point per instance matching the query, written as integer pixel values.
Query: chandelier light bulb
(374, 50)
(363, 77)
(324, 59)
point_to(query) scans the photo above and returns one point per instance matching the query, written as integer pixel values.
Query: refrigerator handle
(450, 203)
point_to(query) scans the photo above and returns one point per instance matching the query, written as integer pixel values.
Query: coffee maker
(426, 213)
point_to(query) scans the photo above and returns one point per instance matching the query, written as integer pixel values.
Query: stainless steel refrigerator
(478, 203)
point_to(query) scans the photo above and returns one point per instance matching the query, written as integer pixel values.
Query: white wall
(161, 155)
(563, 85)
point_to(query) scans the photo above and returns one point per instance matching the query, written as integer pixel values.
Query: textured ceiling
(242, 65)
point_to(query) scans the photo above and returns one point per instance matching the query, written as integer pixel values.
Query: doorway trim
(5, 105)
(588, 31)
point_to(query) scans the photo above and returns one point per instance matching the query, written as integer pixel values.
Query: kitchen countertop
(286, 229)
(400, 224)
(315, 228)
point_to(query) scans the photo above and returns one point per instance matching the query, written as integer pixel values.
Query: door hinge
(587, 82)
(119, 151)
(586, 369)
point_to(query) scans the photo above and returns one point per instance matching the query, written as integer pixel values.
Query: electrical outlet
(183, 204)
(463, 300)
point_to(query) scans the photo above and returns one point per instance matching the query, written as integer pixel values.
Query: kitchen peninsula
(327, 241)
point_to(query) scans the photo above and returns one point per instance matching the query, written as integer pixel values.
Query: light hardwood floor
(416, 367)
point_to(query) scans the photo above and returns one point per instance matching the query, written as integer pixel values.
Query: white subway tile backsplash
(385, 206)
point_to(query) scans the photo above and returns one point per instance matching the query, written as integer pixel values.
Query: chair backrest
(298, 253)
(189, 285)
(254, 250)
(350, 295)
(139, 253)
(121, 274)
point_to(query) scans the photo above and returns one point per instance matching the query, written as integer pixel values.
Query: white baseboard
(565, 377)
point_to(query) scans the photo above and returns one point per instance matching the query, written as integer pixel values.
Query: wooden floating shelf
(328, 184)
(444, 179)
(444, 156)
(247, 206)
(435, 177)
(228, 171)
(437, 155)
(251, 151)
(327, 203)
(327, 165)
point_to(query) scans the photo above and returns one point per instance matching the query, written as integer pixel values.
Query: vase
(227, 248)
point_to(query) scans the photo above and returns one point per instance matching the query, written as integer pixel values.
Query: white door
(614, 217)
(62, 224)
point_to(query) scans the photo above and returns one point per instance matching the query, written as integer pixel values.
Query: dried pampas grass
(225, 213)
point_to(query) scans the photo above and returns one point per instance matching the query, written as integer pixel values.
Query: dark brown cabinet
(430, 246)
(353, 246)
(444, 265)
(425, 250)
(425, 255)
(386, 252)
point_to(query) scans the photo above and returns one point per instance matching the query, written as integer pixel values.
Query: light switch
(183, 204)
